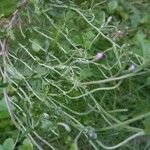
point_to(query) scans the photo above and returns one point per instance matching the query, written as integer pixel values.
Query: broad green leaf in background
(88, 37)
(1, 147)
(146, 123)
(7, 7)
(145, 19)
(11, 34)
(8, 144)
(146, 49)
(85, 73)
(74, 146)
(3, 111)
(26, 145)
(78, 40)
(140, 36)
(2, 106)
(3, 114)
(143, 44)
(13, 72)
(69, 15)
(135, 17)
(36, 45)
(148, 81)
(100, 18)
(2, 85)
(112, 5)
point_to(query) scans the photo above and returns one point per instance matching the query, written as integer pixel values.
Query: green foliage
(26, 145)
(112, 6)
(3, 111)
(61, 96)
(85, 73)
(7, 145)
(7, 7)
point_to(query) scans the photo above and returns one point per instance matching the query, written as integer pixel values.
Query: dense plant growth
(74, 74)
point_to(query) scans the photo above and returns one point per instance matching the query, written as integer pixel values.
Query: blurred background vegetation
(50, 60)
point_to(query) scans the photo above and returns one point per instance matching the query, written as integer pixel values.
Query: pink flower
(99, 55)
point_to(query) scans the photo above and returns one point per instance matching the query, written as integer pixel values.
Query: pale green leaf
(26, 145)
(8, 144)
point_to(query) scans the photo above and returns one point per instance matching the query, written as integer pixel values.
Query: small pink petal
(99, 55)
